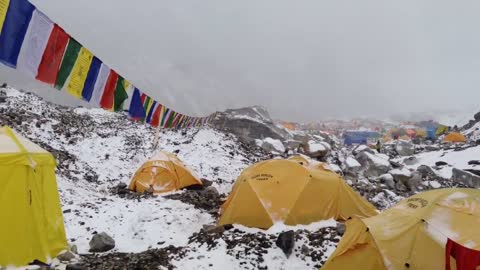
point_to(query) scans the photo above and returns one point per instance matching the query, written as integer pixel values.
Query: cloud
(303, 60)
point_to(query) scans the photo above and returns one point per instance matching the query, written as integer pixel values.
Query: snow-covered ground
(457, 159)
(97, 150)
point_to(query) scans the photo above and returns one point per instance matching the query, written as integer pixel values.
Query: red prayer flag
(156, 116)
(108, 97)
(465, 258)
(52, 56)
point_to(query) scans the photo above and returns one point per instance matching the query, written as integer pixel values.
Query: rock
(352, 166)
(206, 183)
(271, 145)
(74, 249)
(293, 144)
(410, 160)
(425, 171)
(474, 162)
(66, 256)
(401, 175)
(476, 172)
(122, 185)
(213, 228)
(431, 148)
(477, 116)
(440, 163)
(101, 242)
(466, 178)
(341, 228)
(249, 124)
(211, 192)
(75, 266)
(395, 164)
(415, 181)
(400, 186)
(387, 179)
(405, 148)
(317, 149)
(286, 242)
(373, 164)
(362, 148)
(305, 250)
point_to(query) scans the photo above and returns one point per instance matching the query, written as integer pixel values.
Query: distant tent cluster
(35, 45)
(425, 130)
(359, 137)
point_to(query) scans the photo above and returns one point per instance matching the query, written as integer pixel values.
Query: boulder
(400, 187)
(213, 228)
(352, 166)
(341, 228)
(431, 148)
(73, 248)
(362, 148)
(101, 242)
(66, 256)
(388, 180)
(474, 162)
(248, 124)
(466, 178)
(405, 148)
(474, 171)
(75, 266)
(477, 116)
(317, 149)
(410, 160)
(286, 242)
(440, 163)
(415, 182)
(293, 144)
(374, 165)
(272, 145)
(211, 192)
(401, 175)
(426, 171)
(302, 138)
(206, 182)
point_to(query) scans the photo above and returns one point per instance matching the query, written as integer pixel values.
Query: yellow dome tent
(455, 137)
(31, 221)
(286, 191)
(411, 235)
(164, 172)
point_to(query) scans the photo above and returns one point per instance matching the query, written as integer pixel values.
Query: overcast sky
(303, 60)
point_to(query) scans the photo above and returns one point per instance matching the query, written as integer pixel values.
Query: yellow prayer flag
(126, 85)
(79, 73)
(3, 12)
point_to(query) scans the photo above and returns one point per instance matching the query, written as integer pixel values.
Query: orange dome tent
(286, 191)
(455, 137)
(164, 172)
